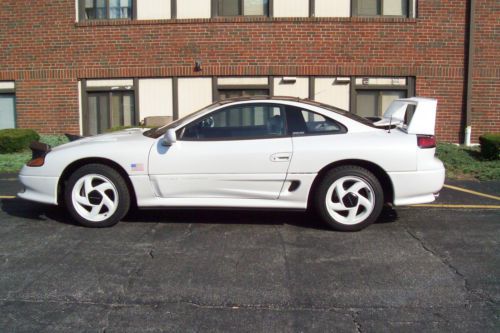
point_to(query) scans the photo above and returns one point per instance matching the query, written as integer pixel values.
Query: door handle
(281, 157)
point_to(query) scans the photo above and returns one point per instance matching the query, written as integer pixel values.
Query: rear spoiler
(413, 115)
(39, 149)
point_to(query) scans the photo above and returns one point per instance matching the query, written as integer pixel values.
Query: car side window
(248, 121)
(304, 122)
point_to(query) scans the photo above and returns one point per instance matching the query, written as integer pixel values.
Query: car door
(241, 151)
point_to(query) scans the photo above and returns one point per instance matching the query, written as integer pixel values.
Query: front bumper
(39, 189)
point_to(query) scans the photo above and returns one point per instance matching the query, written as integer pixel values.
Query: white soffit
(110, 83)
(7, 85)
(381, 81)
(240, 81)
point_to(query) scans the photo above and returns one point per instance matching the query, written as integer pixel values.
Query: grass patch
(14, 162)
(467, 163)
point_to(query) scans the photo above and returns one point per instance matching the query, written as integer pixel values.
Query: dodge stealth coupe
(262, 152)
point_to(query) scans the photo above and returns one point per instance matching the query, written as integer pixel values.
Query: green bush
(490, 146)
(54, 140)
(17, 139)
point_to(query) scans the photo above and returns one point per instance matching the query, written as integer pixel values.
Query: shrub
(490, 146)
(17, 139)
(54, 140)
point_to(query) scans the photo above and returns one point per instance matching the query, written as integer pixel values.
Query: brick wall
(45, 51)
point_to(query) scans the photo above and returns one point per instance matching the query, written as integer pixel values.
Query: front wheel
(349, 198)
(97, 196)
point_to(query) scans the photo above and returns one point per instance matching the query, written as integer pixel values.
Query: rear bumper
(418, 187)
(39, 189)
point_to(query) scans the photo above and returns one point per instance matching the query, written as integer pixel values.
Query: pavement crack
(151, 253)
(357, 325)
(106, 320)
(468, 289)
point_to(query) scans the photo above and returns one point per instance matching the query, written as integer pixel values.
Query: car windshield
(159, 131)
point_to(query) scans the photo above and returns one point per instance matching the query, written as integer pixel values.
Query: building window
(241, 87)
(105, 9)
(7, 104)
(372, 96)
(7, 110)
(225, 93)
(241, 7)
(381, 7)
(108, 104)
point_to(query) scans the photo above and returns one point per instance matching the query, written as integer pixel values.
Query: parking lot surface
(417, 269)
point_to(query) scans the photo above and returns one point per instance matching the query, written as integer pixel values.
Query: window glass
(250, 7)
(369, 7)
(255, 7)
(109, 109)
(229, 7)
(373, 103)
(303, 122)
(120, 9)
(395, 7)
(98, 9)
(231, 93)
(7, 111)
(382, 7)
(238, 122)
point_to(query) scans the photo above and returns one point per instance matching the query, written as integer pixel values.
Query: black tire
(357, 174)
(118, 194)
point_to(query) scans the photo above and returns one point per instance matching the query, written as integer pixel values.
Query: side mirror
(170, 137)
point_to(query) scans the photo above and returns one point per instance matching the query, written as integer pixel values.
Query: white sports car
(279, 153)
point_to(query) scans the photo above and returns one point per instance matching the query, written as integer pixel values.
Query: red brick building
(81, 66)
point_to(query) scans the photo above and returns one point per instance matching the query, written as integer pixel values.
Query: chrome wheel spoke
(365, 202)
(88, 185)
(339, 189)
(356, 187)
(351, 217)
(106, 201)
(336, 206)
(82, 200)
(95, 210)
(101, 188)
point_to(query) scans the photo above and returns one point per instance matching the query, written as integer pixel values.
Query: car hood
(125, 135)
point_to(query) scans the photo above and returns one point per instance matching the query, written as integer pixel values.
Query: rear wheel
(349, 198)
(97, 196)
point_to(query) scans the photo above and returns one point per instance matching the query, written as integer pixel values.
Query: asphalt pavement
(419, 269)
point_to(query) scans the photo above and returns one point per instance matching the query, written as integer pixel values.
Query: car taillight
(426, 141)
(36, 162)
